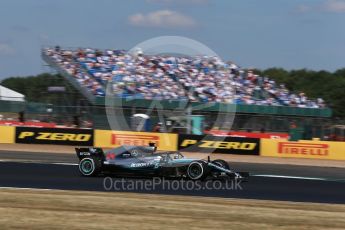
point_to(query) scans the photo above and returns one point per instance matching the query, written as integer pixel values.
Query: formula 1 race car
(145, 161)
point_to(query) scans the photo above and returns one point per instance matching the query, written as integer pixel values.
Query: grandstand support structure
(87, 94)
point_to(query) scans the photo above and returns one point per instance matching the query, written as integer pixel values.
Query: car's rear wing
(87, 152)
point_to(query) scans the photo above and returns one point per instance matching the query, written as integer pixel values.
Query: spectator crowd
(166, 77)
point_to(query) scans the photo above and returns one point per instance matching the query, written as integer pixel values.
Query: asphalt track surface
(269, 181)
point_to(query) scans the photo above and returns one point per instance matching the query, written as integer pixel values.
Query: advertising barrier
(7, 134)
(29, 123)
(303, 149)
(248, 134)
(31, 135)
(110, 139)
(217, 144)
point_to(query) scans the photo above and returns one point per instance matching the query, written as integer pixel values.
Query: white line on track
(298, 177)
(255, 175)
(19, 188)
(39, 162)
(63, 163)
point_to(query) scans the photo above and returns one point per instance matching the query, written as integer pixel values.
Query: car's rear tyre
(197, 170)
(89, 166)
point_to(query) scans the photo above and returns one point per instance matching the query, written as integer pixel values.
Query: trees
(315, 84)
(35, 87)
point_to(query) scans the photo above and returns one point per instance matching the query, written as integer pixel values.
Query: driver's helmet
(176, 156)
(152, 144)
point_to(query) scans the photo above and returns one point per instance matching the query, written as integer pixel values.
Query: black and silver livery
(145, 161)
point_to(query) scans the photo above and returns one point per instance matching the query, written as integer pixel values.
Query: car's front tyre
(221, 163)
(197, 170)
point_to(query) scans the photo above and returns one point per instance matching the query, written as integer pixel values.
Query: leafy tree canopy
(35, 88)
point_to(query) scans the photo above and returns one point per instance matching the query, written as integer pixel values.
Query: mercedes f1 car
(145, 161)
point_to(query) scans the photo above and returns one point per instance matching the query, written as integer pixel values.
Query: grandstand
(261, 103)
(158, 77)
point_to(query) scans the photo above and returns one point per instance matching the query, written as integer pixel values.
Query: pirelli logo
(132, 139)
(55, 136)
(219, 144)
(303, 148)
(32, 135)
